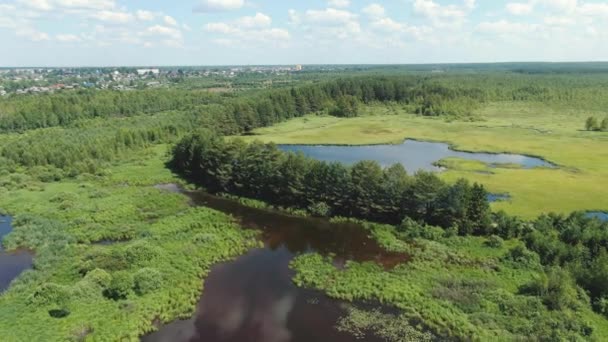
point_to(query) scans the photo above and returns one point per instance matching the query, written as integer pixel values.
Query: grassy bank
(464, 288)
(113, 291)
(524, 128)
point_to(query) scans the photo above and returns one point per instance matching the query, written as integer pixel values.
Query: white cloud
(67, 38)
(559, 21)
(257, 21)
(374, 10)
(339, 3)
(294, 17)
(248, 29)
(504, 27)
(32, 34)
(113, 16)
(444, 15)
(39, 5)
(87, 4)
(594, 9)
(159, 30)
(222, 28)
(330, 16)
(519, 8)
(219, 5)
(169, 20)
(145, 15)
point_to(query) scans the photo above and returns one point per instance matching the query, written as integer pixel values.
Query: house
(142, 72)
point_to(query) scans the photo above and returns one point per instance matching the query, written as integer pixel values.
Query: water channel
(253, 297)
(12, 263)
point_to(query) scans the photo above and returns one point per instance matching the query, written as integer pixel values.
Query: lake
(414, 155)
(253, 297)
(601, 215)
(12, 263)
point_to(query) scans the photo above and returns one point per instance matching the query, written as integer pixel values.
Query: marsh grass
(109, 292)
(528, 128)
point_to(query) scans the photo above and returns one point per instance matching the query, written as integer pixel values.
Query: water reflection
(414, 155)
(12, 263)
(253, 297)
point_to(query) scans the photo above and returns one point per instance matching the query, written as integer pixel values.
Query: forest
(115, 257)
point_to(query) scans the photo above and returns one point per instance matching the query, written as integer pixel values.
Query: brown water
(253, 297)
(12, 263)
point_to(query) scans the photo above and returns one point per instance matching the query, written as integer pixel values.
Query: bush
(494, 241)
(320, 209)
(521, 256)
(49, 294)
(147, 280)
(141, 252)
(120, 286)
(99, 277)
(411, 229)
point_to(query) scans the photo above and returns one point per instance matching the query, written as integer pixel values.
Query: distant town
(19, 81)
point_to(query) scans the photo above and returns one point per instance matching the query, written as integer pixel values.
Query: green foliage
(99, 277)
(389, 327)
(494, 241)
(48, 294)
(121, 285)
(147, 280)
(556, 288)
(591, 124)
(319, 209)
(364, 190)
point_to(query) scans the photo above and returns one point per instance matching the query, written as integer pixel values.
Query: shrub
(49, 294)
(494, 241)
(120, 286)
(591, 124)
(320, 209)
(99, 277)
(411, 229)
(522, 256)
(147, 280)
(141, 252)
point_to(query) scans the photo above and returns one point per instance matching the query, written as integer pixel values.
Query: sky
(263, 32)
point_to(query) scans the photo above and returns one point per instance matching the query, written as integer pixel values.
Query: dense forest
(183, 110)
(451, 94)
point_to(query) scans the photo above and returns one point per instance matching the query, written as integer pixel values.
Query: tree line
(363, 190)
(431, 95)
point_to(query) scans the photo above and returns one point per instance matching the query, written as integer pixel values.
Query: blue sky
(220, 32)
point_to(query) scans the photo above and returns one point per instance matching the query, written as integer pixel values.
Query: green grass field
(555, 134)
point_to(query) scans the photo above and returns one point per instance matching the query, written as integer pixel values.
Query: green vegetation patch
(156, 251)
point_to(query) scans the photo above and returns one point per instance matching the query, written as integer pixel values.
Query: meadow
(555, 134)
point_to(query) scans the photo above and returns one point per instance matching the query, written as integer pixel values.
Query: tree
(591, 124)
(604, 125)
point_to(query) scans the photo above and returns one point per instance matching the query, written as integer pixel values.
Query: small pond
(414, 155)
(498, 197)
(14, 262)
(601, 215)
(253, 297)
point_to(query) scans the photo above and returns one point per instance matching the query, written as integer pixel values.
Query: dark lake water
(253, 297)
(14, 262)
(414, 155)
